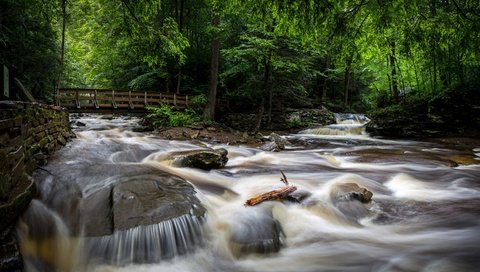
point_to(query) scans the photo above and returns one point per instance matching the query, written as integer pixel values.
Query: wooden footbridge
(92, 100)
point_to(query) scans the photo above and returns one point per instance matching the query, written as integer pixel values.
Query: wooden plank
(23, 90)
(86, 98)
(69, 105)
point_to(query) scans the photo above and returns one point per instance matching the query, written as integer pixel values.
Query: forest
(257, 56)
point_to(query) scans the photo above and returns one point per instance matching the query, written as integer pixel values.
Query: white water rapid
(424, 214)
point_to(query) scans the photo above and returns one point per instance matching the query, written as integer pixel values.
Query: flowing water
(424, 216)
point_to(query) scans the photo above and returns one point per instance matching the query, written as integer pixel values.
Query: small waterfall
(48, 245)
(346, 124)
(148, 243)
(45, 241)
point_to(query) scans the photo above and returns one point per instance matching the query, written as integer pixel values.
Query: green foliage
(147, 82)
(29, 45)
(349, 54)
(137, 35)
(198, 101)
(166, 116)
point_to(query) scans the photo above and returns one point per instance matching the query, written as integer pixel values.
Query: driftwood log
(272, 195)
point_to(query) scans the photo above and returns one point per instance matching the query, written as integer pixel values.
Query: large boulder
(127, 213)
(149, 201)
(206, 159)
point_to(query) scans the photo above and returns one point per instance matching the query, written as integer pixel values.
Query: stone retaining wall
(29, 133)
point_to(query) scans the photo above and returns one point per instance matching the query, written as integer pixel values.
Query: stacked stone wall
(29, 133)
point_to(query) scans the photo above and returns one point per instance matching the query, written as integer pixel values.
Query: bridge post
(77, 100)
(175, 100)
(95, 102)
(145, 99)
(130, 104)
(114, 105)
(186, 101)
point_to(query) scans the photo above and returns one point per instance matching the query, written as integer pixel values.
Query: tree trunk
(433, 43)
(179, 78)
(62, 50)
(266, 81)
(270, 105)
(212, 95)
(346, 79)
(64, 23)
(393, 70)
(261, 110)
(416, 72)
(434, 75)
(325, 82)
(180, 29)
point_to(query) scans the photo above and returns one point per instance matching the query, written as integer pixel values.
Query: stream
(424, 214)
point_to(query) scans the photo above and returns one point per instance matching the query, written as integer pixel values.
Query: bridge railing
(78, 98)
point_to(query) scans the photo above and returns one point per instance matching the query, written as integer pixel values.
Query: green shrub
(166, 116)
(199, 101)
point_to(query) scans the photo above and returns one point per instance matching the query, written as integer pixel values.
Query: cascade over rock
(149, 201)
(255, 232)
(350, 198)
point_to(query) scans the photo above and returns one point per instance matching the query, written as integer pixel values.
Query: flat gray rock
(152, 199)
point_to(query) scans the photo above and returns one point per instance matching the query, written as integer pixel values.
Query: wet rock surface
(203, 159)
(134, 195)
(350, 191)
(10, 260)
(350, 199)
(276, 144)
(149, 201)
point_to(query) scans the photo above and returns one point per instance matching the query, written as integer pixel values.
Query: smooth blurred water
(425, 213)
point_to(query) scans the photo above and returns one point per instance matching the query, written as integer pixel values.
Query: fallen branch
(272, 195)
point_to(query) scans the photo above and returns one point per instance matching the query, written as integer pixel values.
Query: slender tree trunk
(180, 28)
(416, 72)
(64, 23)
(270, 104)
(346, 78)
(179, 78)
(266, 81)
(389, 78)
(433, 42)
(261, 111)
(325, 82)
(212, 95)
(393, 71)
(62, 49)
